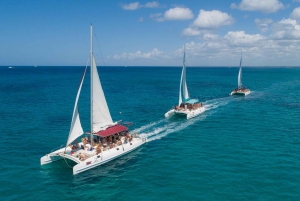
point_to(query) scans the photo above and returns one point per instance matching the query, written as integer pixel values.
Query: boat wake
(163, 127)
(215, 103)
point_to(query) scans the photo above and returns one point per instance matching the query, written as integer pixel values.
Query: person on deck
(104, 142)
(83, 156)
(98, 150)
(76, 146)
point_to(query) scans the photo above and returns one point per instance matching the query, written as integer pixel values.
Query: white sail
(183, 80)
(101, 114)
(240, 75)
(180, 88)
(76, 128)
(183, 86)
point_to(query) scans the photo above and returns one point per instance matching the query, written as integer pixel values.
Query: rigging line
(62, 155)
(99, 49)
(87, 63)
(67, 162)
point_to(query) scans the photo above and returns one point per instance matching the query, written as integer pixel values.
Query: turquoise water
(241, 148)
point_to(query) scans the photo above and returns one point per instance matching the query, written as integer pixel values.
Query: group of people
(241, 89)
(99, 144)
(184, 106)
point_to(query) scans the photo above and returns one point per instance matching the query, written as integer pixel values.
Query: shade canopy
(112, 130)
(192, 101)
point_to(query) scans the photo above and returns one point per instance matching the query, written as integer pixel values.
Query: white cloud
(157, 17)
(141, 19)
(131, 6)
(266, 6)
(263, 24)
(154, 54)
(281, 46)
(241, 38)
(216, 50)
(286, 29)
(295, 14)
(178, 14)
(212, 19)
(209, 36)
(153, 4)
(137, 5)
(191, 32)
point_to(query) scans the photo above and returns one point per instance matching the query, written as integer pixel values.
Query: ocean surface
(241, 148)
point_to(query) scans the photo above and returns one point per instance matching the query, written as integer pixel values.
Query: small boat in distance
(242, 91)
(106, 141)
(186, 106)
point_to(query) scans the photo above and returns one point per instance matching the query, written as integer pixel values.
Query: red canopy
(112, 130)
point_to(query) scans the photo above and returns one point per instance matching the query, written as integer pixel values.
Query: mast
(91, 57)
(240, 74)
(184, 75)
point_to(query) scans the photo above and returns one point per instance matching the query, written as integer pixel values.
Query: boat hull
(94, 160)
(188, 113)
(107, 156)
(240, 93)
(51, 157)
(170, 113)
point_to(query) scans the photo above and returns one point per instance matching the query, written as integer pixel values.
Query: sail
(180, 88)
(101, 114)
(240, 75)
(76, 128)
(185, 90)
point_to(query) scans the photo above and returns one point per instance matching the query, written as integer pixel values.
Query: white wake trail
(163, 127)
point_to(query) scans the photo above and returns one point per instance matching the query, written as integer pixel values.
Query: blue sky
(150, 33)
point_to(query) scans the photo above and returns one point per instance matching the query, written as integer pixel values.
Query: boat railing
(55, 149)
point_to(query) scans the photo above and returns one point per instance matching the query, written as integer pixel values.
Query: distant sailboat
(240, 90)
(35, 66)
(107, 139)
(186, 106)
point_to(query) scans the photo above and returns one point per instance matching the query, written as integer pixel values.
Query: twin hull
(95, 160)
(240, 93)
(189, 113)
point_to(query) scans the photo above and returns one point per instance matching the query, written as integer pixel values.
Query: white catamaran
(107, 140)
(186, 106)
(240, 90)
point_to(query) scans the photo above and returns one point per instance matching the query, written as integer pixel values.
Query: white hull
(94, 160)
(189, 113)
(170, 113)
(240, 93)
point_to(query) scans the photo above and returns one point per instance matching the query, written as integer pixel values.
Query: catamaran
(186, 106)
(106, 141)
(240, 90)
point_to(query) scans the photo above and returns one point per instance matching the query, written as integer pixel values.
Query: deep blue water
(241, 148)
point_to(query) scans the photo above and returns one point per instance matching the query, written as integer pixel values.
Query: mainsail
(76, 128)
(240, 75)
(183, 86)
(185, 90)
(180, 92)
(101, 114)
